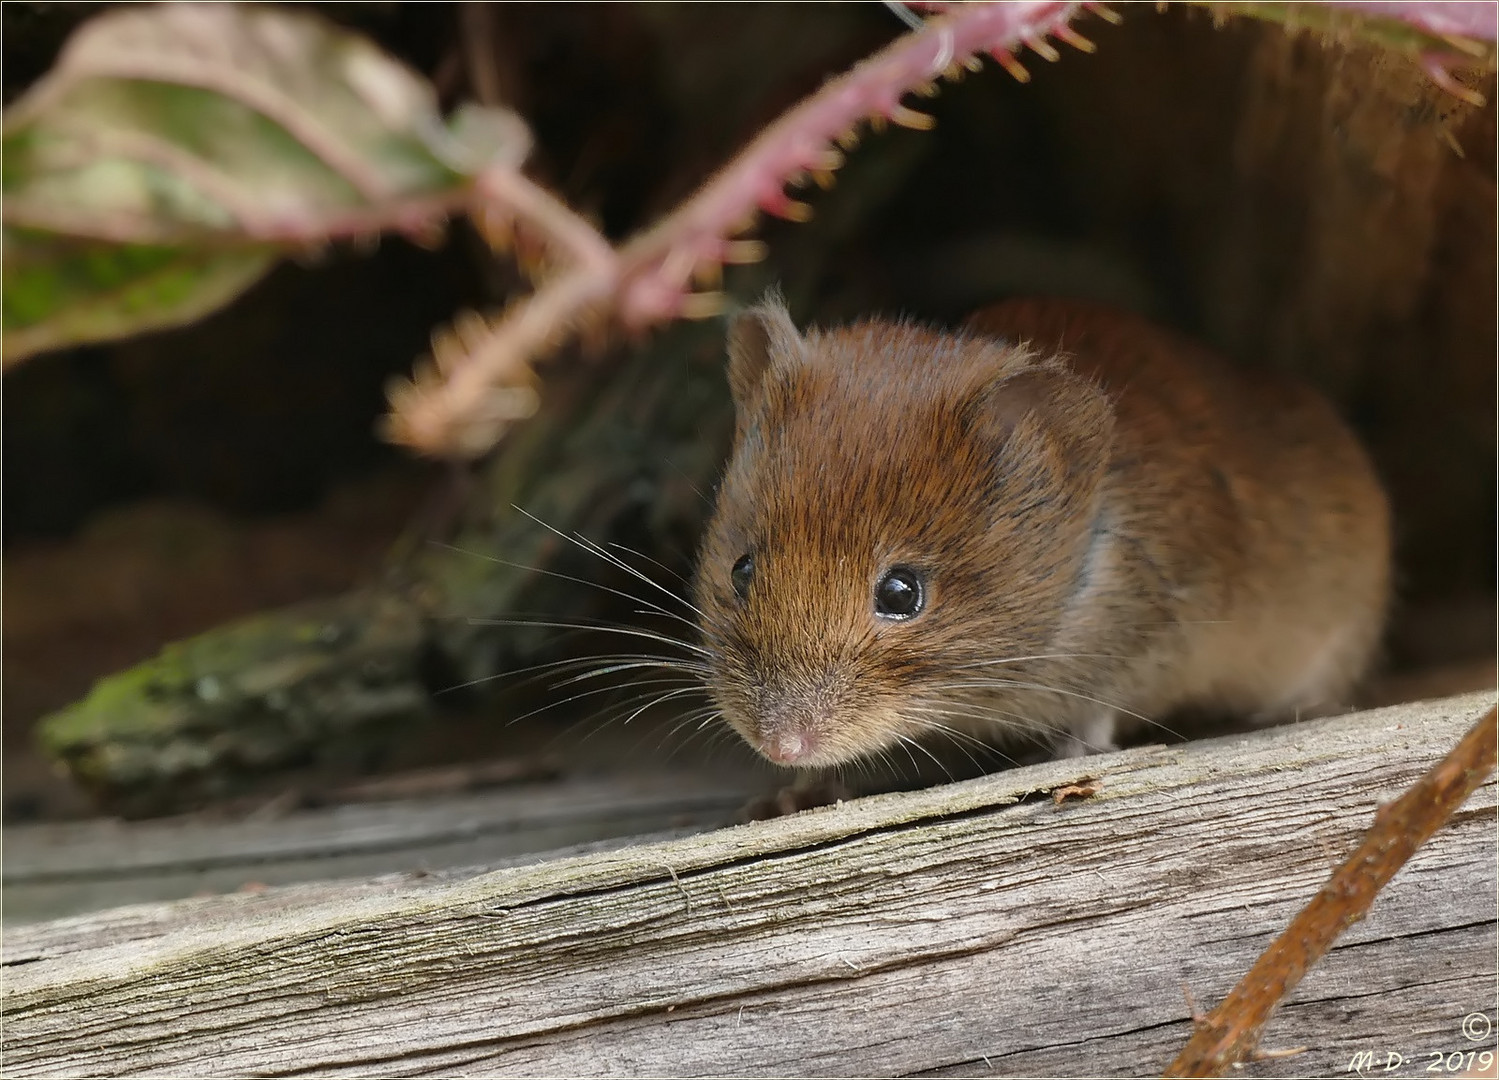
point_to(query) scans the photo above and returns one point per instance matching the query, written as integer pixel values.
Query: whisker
(685, 475)
(976, 710)
(911, 743)
(957, 735)
(537, 672)
(615, 667)
(1047, 689)
(962, 740)
(654, 562)
(1043, 688)
(656, 609)
(1039, 656)
(700, 726)
(1014, 725)
(648, 635)
(662, 698)
(615, 717)
(584, 694)
(697, 719)
(588, 545)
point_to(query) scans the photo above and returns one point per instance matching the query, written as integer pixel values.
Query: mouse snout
(789, 727)
(790, 747)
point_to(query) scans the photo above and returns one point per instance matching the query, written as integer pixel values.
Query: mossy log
(986, 926)
(622, 458)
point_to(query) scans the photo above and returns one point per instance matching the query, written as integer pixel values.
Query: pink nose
(789, 747)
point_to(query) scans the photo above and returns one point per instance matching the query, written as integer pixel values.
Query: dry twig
(1230, 1033)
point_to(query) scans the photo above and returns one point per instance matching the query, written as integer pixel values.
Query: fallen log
(969, 928)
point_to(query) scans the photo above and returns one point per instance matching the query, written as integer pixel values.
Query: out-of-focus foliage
(175, 151)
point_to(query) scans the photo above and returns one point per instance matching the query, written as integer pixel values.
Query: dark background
(1295, 204)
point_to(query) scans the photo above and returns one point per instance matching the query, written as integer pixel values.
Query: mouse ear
(759, 337)
(1049, 426)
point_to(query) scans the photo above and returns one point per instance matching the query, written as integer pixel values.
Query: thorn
(1451, 140)
(797, 179)
(398, 388)
(877, 123)
(910, 118)
(708, 274)
(1275, 1055)
(1013, 66)
(927, 89)
(1466, 45)
(953, 71)
(471, 329)
(530, 263)
(429, 236)
(446, 354)
(425, 374)
(497, 231)
(703, 305)
(849, 139)
(828, 160)
(1443, 78)
(1071, 37)
(1108, 14)
(742, 252)
(823, 178)
(1042, 48)
(1199, 1018)
(974, 63)
(789, 209)
(677, 267)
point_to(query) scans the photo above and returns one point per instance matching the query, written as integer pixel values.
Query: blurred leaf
(59, 291)
(203, 140)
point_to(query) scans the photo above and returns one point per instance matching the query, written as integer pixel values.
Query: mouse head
(901, 505)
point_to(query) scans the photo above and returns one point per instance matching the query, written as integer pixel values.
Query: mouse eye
(899, 594)
(742, 574)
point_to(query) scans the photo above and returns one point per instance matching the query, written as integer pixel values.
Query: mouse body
(1051, 526)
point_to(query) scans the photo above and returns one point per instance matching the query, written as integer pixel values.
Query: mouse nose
(790, 747)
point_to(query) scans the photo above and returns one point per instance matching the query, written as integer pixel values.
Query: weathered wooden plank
(963, 928)
(61, 869)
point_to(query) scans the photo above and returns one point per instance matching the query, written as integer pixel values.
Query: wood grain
(962, 930)
(68, 868)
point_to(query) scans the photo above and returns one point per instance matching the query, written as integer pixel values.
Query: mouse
(1057, 525)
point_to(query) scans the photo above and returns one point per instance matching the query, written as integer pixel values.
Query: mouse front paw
(806, 794)
(1093, 736)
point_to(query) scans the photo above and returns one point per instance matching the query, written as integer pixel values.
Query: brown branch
(447, 410)
(1230, 1033)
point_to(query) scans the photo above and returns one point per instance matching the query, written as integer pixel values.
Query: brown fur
(1157, 530)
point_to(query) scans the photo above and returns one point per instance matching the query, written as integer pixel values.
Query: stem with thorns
(460, 405)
